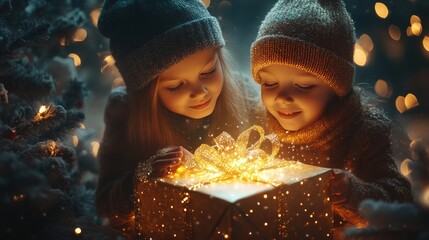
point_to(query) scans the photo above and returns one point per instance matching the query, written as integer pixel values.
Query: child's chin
(201, 115)
(290, 127)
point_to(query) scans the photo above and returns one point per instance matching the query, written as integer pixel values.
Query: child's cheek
(267, 98)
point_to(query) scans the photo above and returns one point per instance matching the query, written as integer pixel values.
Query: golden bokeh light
(118, 82)
(382, 88)
(406, 103)
(400, 104)
(426, 43)
(76, 59)
(360, 56)
(409, 32)
(413, 144)
(425, 197)
(63, 41)
(381, 10)
(95, 147)
(75, 140)
(206, 3)
(94, 16)
(416, 28)
(79, 35)
(414, 19)
(405, 169)
(395, 32)
(109, 61)
(365, 42)
(18, 197)
(411, 101)
(77, 231)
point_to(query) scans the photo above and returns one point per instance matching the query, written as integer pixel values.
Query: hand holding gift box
(166, 161)
(237, 192)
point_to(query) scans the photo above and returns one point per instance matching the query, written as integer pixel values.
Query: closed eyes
(269, 85)
(305, 87)
(210, 71)
(177, 87)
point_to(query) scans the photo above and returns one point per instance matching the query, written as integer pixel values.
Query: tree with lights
(47, 176)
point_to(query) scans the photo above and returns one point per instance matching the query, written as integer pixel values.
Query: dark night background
(48, 194)
(407, 69)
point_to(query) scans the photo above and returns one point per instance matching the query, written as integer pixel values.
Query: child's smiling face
(192, 86)
(294, 97)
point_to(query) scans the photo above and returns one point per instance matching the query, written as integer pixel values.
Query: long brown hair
(152, 126)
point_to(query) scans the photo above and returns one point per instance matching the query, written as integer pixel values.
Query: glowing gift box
(258, 198)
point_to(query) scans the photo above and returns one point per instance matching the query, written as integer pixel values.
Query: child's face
(192, 86)
(294, 97)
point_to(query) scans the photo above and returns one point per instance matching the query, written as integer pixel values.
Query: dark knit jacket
(118, 161)
(356, 139)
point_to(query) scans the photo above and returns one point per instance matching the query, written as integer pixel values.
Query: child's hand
(339, 186)
(167, 160)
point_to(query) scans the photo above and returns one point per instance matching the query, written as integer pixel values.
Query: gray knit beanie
(149, 36)
(316, 36)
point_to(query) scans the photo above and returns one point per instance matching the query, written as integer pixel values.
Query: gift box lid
(232, 190)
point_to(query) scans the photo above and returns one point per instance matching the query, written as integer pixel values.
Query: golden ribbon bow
(233, 159)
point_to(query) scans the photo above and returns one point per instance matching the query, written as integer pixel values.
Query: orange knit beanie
(316, 36)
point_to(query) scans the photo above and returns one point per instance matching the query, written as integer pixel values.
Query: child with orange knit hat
(303, 60)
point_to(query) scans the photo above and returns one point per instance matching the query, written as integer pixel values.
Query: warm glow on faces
(192, 86)
(294, 97)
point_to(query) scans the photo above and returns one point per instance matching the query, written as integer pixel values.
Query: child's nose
(198, 90)
(286, 95)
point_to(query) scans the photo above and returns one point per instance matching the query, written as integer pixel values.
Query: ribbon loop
(230, 158)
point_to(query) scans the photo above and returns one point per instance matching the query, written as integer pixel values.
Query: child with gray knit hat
(303, 60)
(179, 92)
